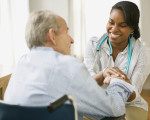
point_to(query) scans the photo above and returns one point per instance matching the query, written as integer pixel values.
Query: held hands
(104, 77)
(107, 72)
(114, 72)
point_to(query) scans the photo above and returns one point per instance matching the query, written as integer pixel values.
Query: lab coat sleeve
(141, 71)
(90, 58)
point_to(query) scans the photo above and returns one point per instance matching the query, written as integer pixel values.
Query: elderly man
(48, 72)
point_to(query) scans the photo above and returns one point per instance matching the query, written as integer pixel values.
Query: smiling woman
(118, 31)
(120, 53)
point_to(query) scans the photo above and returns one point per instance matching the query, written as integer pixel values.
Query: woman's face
(117, 28)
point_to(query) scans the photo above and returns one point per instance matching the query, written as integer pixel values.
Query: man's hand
(108, 79)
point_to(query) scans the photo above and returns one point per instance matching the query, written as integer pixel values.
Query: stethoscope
(111, 51)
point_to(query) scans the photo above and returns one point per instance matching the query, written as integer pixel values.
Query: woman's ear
(51, 36)
(132, 31)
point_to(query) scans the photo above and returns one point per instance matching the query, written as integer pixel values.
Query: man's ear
(51, 36)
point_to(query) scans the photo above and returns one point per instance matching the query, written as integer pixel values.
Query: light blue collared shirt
(43, 75)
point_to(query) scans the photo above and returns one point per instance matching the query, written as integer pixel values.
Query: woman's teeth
(114, 36)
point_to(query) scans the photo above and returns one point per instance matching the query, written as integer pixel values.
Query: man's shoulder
(69, 66)
(69, 60)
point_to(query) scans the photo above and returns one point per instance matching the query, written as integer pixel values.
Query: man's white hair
(38, 26)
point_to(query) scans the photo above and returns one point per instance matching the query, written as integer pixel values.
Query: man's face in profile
(63, 39)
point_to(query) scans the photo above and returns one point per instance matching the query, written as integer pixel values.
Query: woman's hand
(107, 72)
(99, 78)
(114, 72)
(108, 79)
(104, 77)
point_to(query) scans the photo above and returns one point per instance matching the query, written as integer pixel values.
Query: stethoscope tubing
(111, 51)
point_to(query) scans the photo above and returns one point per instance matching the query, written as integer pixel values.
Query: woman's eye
(123, 25)
(111, 22)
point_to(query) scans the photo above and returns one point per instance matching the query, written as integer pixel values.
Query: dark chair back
(51, 112)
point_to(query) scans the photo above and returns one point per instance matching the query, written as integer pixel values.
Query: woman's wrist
(99, 78)
(103, 71)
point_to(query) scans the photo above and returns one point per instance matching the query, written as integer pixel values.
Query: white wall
(145, 30)
(60, 7)
(145, 21)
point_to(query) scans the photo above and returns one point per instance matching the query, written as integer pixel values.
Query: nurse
(119, 52)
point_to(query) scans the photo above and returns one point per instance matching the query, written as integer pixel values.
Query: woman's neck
(117, 48)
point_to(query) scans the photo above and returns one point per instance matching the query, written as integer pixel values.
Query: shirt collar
(42, 48)
(106, 48)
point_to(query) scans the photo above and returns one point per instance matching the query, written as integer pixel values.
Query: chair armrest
(59, 102)
(115, 118)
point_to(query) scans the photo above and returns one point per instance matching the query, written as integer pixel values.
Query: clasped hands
(104, 77)
(114, 72)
